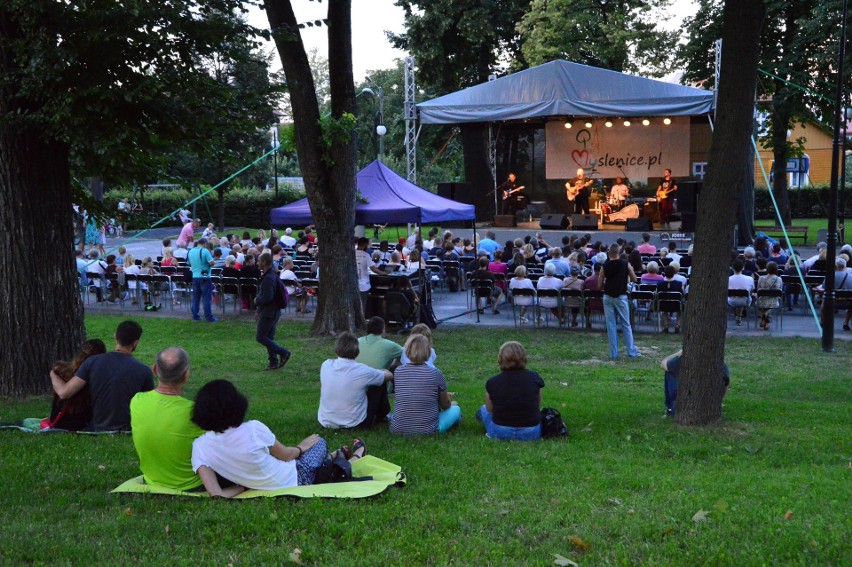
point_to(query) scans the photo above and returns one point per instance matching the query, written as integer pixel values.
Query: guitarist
(665, 201)
(507, 190)
(578, 192)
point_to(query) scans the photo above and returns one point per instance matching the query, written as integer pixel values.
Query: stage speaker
(650, 211)
(554, 221)
(447, 190)
(642, 224)
(584, 222)
(687, 221)
(687, 196)
(505, 221)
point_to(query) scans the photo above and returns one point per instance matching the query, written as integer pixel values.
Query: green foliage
(623, 489)
(336, 132)
(244, 206)
(111, 80)
(811, 202)
(622, 36)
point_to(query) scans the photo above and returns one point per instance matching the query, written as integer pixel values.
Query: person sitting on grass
(114, 378)
(424, 330)
(162, 430)
(74, 413)
(241, 455)
(671, 366)
(512, 408)
(351, 394)
(375, 350)
(423, 405)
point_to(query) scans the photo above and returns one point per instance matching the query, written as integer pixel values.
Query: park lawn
(623, 489)
(813, 227)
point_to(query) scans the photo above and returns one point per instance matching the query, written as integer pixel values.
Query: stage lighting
(646, 122)
(608, 123)
(568, 124)
(627, 123)
(588, 124)
(667, 120)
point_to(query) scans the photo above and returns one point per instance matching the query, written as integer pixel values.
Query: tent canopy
(562, 88)
(389, 197)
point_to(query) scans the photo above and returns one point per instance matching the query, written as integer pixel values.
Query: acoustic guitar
(574, 190)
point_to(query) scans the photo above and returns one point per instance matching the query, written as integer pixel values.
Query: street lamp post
(275, 145)
(381, 129)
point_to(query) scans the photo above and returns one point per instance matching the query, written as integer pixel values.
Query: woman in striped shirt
(423, 406)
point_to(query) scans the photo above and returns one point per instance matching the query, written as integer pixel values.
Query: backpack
(552, 424)
(336, 470)
(282, 297)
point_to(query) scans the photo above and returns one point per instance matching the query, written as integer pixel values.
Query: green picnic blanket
(33, 425)
(383, 473)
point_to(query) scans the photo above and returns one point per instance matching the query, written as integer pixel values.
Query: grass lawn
(623, 489)
(813, 226)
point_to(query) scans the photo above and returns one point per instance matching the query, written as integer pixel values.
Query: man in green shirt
(376, 351)
(162, 430)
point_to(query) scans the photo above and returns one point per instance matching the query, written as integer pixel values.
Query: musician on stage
(508, 191)
(619, 193)
(665, 201)
(578, 192)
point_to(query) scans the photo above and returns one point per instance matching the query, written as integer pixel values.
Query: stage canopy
(389, 197)
(562, 88)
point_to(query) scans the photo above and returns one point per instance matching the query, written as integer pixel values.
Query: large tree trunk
(780, 122)
(329, 173)
(699, 393)
(41, 316)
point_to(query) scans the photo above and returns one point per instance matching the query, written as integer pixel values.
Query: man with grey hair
(287, 240)
(162, 429)
(807, 264)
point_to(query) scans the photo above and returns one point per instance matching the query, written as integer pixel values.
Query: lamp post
(275, 145)
(379, 93)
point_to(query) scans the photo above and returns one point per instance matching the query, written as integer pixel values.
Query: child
(209, 232)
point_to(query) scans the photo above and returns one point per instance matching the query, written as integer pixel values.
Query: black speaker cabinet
(505, 221)
(584, 222)
(554, 221)
(650, 211)
(687, 222)
(642, 224)
(687, 196)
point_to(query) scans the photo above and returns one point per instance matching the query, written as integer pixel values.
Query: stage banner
(637, 151)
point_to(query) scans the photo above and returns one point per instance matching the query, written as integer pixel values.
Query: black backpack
(552, 424)
(282, 297)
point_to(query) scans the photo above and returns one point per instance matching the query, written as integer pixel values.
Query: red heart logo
(581, 157)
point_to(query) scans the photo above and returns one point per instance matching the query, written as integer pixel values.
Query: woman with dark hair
(512, 408)
(634, 258)
(75, 413)
(771, 280)
(247, 453)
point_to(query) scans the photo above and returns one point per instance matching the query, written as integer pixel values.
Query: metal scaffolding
(410, 111)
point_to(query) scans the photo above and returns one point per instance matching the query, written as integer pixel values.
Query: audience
(770, 280)
(424, 330)
(512, 408)
(741, 282)
(671, 367)
(375, 350)
(520, 281)
(352, 394)
(74, 413)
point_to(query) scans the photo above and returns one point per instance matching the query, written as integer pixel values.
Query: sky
(372, 18)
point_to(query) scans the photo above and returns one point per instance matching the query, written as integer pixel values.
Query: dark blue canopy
(389, 197)
(562, 88)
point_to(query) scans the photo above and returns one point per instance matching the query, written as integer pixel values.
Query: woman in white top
(247, 454)
(294, 290)
(520, 281)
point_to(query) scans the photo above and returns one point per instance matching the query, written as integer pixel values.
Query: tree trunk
(329, 173)
(41, 320)
(699, 393)
(781, 119)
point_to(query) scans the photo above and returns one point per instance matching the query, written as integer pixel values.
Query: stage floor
(606, 232)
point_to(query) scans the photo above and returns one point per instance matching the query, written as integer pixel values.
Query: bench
(792, 231)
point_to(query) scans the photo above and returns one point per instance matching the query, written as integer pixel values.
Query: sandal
(344, 452)
(359, 449)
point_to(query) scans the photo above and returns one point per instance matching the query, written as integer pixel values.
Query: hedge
(804, 203)
(243, 206)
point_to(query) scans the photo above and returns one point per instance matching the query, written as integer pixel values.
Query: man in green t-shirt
(376, 351)
(162, 430)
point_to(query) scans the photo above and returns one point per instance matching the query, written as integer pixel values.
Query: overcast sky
(371, 18)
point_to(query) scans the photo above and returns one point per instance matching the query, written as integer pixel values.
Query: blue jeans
(266, 336)
(202, 289)
(494, 431)
(618, 309)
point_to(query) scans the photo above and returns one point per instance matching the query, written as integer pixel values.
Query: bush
(811, 202)
(243, 206)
